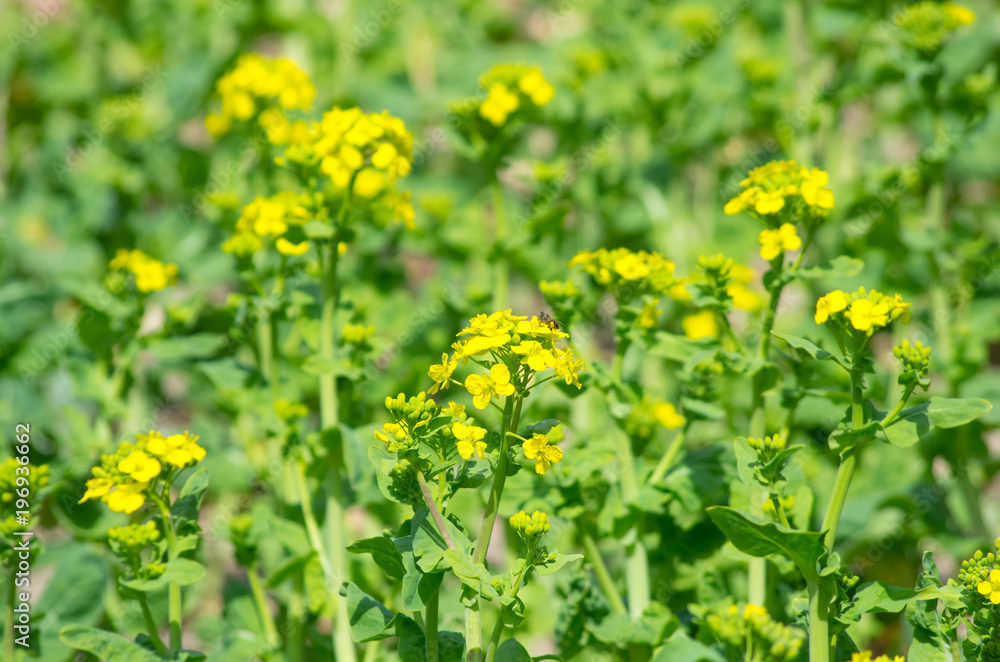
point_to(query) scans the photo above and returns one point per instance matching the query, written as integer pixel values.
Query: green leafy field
(500, 331)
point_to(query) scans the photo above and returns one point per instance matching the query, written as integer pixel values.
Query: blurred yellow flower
(775, 242)
(702, 324)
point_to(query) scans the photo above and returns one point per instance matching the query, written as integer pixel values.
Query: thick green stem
(297, 620)
(329, 419)
(603, 576)
(266, 618)
(798, 47)
(147, 616)
(501, 273)
(780, 510)
(431, 628)
(473, 622)
(819, 627)
(667, 461)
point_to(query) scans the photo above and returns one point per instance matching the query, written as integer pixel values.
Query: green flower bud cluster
(715, 271)
(990, 646)
(415, 409)
(916, 360)
(357, 335)
(153, 570)
(289, 411)
(240, 535)
(559, 291)
(532, 528)
(768, 447)
(403, 484)
(132, 539)
(753, 629)
(38, 478)
(977, 570)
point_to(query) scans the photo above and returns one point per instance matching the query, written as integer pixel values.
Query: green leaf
(475, 576)
(811, 348)
(804, 548)
(384, 553)
(318, 230)
(682, 648)
(106, 646)
(290, 568)
(839, 267)
(370, 620)
(915, 423)
(418, 586)
(179, 571)
(512, 651)
(541, 427)
(199, 345)
(555, 562)
(655, 625)
(189, 500)
(428, 544)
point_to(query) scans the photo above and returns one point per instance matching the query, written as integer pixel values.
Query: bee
(548, 321)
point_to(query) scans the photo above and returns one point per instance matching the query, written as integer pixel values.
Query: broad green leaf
(651, 629)
(555, 562)
(804, 548)
(189, 500)
(370, 620)
(512, 651)
(106, 646)
(179, 571)
(682, 648)
(839, 267)
(72, 597)
(810, 348)
(428, 543)
(915, 423)
(384, 553)
(475, 576)
(541, 427)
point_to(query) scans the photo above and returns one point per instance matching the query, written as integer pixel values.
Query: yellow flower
(177, 449)
(96, 488)
(961, 15)
(127, 498)
(630, 267)
(500, 103)
(469, 440)
(812, 188)
(567, 366)
(455, 410)
(702, 324)
(369, 183)
(535, 327)
(537, 448)
(441, 373)
(834, 302)
(866, 656)
(286, 247)
(775, 242)
(667, 415)
(650, 314)
(864, 315)
(398, 432)
(769, 203)
(771, 187)
(536, 356)
(991, 588)
(484, 387)
(150, 275)
(140, 466)
(539, 90)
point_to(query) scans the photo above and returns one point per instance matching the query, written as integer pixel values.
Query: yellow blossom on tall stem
(775, 242)
(538, 449)
(484, 387)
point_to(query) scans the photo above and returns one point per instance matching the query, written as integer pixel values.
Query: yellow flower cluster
(258, 84)
(702, 324)
(124, 477)
(622, 270)
(779, 185)
(267, 219)
(150, 275)
(866, 656)
(990, 587)
(776, 242)
(926, 25)
(510, 87)
(866, 311)
(753, 629)
(364, 152)
(519, 347)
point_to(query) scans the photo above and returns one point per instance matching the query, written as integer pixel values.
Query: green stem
(780, 510)
(432, 506)
(312, 528)
(667, 461)
(297, 620)
(431, 628)
(491, 651)
(819, 627)
(501, 274)
(329, 419)
(266, 618)
(603, 576)
(636, 560)
(473, 622)
(147, 616)
(798, 46)
(173, 588)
